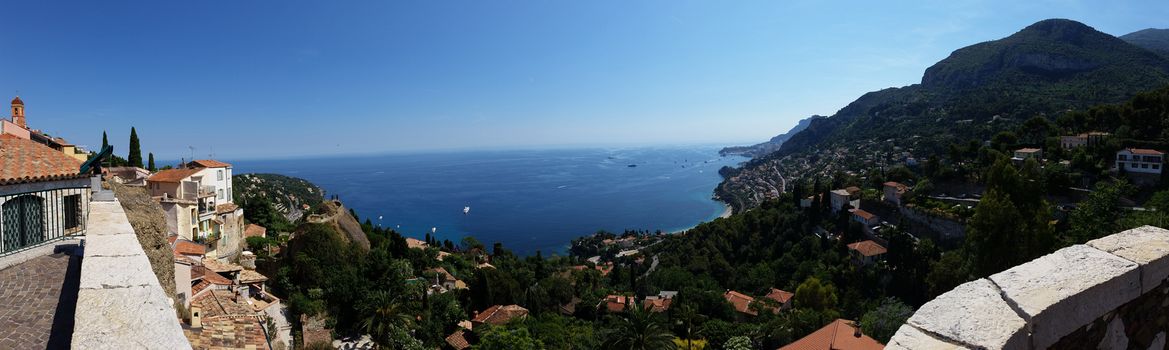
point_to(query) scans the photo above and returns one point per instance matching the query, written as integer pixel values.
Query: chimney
(856, 329)
(196, 321)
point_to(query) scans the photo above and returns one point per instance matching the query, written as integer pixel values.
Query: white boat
(466, 210)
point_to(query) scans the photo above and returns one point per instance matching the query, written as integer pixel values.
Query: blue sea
(528, 200)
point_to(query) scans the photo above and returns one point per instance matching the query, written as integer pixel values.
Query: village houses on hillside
(197, 199)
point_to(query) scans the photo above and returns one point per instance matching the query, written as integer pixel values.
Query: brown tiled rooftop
(172, 175)
(498, 314)
(741, 302)
(840, 334)
(23, 161)
(868, 248)
(207, 163)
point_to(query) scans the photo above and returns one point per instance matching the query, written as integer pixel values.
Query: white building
(198, 202)
(1138, 160)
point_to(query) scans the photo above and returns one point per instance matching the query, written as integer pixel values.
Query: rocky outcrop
(335, 214)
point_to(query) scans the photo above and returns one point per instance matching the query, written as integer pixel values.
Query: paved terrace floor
(37, 301)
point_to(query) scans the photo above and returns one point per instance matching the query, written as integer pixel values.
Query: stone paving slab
(37, 302)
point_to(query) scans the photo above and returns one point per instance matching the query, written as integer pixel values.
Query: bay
(528, 200)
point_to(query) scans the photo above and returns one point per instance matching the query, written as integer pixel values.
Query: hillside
(1156, 40)
(1049, 67)
(771, 145)
(288, 195)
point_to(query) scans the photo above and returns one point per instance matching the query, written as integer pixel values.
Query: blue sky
(248, 79)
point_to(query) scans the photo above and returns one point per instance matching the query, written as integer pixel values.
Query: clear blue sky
(286, 78)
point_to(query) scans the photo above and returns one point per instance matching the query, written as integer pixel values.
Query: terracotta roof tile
(457, 341)
(780, 296)
(253, 230)
(215, 265)
(498, 315)
(225, 208)
(1146, 152)
(207, 163)
(864, 214)
(251, 276)
(742, 302)
(24, 161)
(868, 248)
(840, 334)
(172, 175)
(186, 247)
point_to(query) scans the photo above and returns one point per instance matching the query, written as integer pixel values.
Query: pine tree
(150, 162)
(135, 157)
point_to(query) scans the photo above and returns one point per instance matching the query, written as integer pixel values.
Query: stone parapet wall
(1110, 293)
(120, 303)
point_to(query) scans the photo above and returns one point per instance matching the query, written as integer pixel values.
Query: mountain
(1044, 69)
(288, 195)
(771, 145)
(1155, 40)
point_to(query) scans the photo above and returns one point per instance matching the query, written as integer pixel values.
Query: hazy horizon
(271, 79)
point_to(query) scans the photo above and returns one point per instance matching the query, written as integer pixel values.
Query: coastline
(727, 212)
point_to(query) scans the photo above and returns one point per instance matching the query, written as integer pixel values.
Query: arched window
(23, 225)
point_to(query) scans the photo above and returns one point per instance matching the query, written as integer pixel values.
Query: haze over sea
(526, 199)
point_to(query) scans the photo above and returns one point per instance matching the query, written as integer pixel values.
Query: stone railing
(1111, 293)
(120, 303)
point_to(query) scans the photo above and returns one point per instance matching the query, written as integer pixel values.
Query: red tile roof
(1146, 152)
(207, 163)
(616, 303)
(24, 161)
(780, 296)
(172, 175)
(457, 341)
(742, 302)
(657, 305)
(840, 334)
(868, 248)
(186, 247)
(864, 214)
(17, 101)
(253, 230)
(498, 315)
(225, 208)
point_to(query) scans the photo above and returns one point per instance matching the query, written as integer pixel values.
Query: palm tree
(383, 314)
(638, 329)
(687, 316)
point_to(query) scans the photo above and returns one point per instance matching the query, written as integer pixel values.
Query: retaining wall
(1111, 293)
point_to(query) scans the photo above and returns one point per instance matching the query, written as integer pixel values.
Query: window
(1144, 165)
(193, 216)
(1122, 157)
(23, 222)
(220, 175)
(220, 193)
(72, 204)
(1156, 166)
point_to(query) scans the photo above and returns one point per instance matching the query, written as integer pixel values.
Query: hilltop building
(17, 126)
(893, 192)
(197, 199)
(1142, 166)
(1085, 139)
(866, 252)
(1023, 154)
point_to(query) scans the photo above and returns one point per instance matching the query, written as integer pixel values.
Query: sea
(529, 200)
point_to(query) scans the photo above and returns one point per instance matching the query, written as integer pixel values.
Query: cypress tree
(150, 162)
(135, 157)
(105, 141)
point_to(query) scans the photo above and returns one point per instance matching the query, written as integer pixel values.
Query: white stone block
(1067, 289)
(126, 318)
(99, 272)
(1147, 246)
(107, 218)
(974, 313)
(909, 338)
(113, 245)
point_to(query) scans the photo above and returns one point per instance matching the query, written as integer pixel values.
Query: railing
(31, 219)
